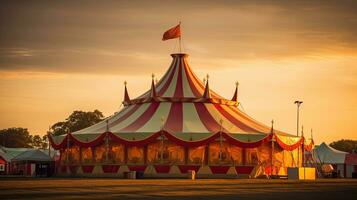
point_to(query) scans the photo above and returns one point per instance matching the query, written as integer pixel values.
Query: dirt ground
(21, 188)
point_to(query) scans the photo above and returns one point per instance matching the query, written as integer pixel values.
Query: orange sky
(56, 58)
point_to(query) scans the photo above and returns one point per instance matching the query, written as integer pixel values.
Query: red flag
(172, 33)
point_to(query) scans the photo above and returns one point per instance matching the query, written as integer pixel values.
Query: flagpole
(180, 36)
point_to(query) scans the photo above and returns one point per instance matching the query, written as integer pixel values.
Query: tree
(345, 145)
(44, 142)
(37, 141)
(15, 137)
(76, 121)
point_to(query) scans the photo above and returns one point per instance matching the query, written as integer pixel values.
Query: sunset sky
(59, 57)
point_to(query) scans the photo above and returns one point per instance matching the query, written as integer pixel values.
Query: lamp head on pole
(298, 103)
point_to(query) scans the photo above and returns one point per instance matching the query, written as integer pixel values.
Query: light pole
(298, 103)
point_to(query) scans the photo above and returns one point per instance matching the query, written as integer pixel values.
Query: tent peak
(184, 55)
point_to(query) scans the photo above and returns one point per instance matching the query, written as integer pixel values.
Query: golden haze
(58, 58)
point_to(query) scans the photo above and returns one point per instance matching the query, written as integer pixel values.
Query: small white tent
(328, 155)
(324, 154)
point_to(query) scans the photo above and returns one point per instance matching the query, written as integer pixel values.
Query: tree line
(19, 137)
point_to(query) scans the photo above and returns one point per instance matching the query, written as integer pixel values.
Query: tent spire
(153, 89)
(302, 131)
(272, 126)
(126, 95)
(207, 93)
(311, 135)
(235, 96)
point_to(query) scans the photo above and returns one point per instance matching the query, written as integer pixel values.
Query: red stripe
(145, 117)
(219, 169)
(199, 83)
(162, 168)
(169, 80)
(138, 168)
(122, 118)
(186, 168)
(244, 169)
(188, 72)
(168, 72)
(246, 117)
(208, 121)
(174, 122)
(110, 168)
(87, 169)
(234, 120)
(179, 90)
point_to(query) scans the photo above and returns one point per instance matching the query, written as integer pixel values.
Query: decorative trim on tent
(183, 100)
(110, 168)
(142, 142)
(244, 169)
(162, 169)
(185, 168)
(87, 169)
(138, 168)
(241, 144)
(309, 147)
(285, 144)
(219, 169)
(185, 143)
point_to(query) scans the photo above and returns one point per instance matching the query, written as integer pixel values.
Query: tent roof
(179, 107)
(32, 155)
(328, 155)
(12, 152)
(4, 156)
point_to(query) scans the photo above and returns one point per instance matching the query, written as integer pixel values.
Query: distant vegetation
(345, 145)
(76, 121)
(20, 137)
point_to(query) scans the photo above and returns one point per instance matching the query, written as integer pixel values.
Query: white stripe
(199, 82)
(250, 122)
(171, 89)
(231, 128)
(191, 121)
(131, 118)
(187, 91)
(155, 123)
(162, 83)
(102, 126)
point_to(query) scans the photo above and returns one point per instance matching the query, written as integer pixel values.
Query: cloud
(124, 36)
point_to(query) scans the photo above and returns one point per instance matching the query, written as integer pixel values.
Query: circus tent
(180, 112)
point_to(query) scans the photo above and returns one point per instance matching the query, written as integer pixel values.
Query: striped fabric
(178, 108)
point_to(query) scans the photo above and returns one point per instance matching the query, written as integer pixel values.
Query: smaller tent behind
(32, 162)
(324, 154)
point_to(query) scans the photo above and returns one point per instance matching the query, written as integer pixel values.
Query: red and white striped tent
(185, 111)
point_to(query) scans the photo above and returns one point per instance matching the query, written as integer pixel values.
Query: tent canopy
(328, 155)
(32, 155)
(184, 107)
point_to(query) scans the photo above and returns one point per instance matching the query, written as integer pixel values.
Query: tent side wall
(166, 158)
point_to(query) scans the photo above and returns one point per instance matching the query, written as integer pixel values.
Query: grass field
(21, 188)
